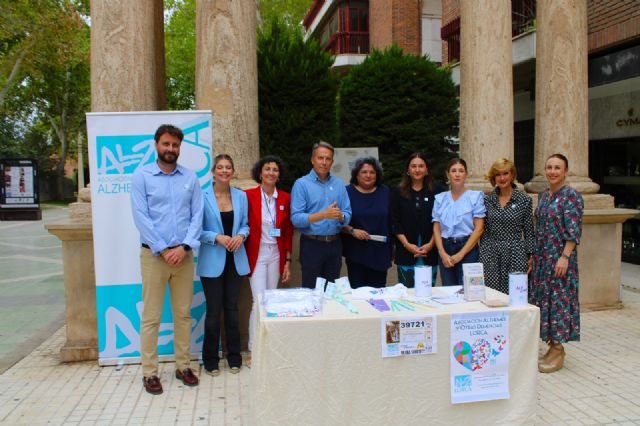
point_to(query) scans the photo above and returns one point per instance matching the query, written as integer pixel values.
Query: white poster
(345, 158)
(479, 356)
(408, 336)
(119, 143)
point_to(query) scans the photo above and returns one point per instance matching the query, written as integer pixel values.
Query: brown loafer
(187, 377)
(152, 385)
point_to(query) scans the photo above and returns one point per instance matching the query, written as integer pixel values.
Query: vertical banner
(479, 356)
(120, 143)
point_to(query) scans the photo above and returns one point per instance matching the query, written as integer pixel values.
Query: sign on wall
(345, 158)
(120, 143)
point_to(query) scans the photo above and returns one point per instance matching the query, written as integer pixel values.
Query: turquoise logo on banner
(123, 154)
(119, 315)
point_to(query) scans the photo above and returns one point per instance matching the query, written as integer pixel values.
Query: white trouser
(265, 276)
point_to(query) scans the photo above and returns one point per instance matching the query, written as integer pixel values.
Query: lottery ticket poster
(408, 336)
(479, 357)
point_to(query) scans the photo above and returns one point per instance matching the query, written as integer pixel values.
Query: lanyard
(272, 217)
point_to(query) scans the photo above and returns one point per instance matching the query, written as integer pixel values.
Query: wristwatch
(186, 247)
(352, 230)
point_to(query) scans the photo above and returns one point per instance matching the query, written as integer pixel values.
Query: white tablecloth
(328, 370)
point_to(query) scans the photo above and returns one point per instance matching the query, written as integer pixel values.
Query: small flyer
(479, 356)
(473, 274)
(408, 336)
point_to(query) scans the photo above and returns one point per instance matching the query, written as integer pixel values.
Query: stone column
(562, 98)
(127, 55)
(486, 86)
(226, 77)
(227, 84)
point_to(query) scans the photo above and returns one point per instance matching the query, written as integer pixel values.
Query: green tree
(44, 71)
(296, 96)
(401, 104)
(180, 53)
(180, 41)
(290, 12)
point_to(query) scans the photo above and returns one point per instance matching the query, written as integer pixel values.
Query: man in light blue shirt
(319, 208)
(167, 210)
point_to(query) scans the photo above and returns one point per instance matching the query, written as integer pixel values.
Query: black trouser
(222, 293)
(360, 276)
(319, 259)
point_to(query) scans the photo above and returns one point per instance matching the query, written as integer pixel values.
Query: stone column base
(478, 184)
(582, 184)
(481, 184)
(79, 290)
(79, 351)
(599, 255)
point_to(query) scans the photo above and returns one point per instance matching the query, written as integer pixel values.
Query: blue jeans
(453, 276)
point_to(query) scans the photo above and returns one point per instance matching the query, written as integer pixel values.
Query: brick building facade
(614, 96)
(611, 22)
(614, 75)
(411, 24)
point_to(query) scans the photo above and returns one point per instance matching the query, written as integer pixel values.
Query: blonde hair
(499, 166)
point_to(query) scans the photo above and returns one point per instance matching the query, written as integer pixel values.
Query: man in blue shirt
(167, 210)
(319, 208)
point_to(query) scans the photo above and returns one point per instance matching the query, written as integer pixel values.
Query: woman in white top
(458, 223)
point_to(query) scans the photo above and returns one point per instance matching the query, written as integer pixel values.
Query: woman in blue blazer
(222, 261)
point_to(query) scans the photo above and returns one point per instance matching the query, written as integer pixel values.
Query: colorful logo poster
(479, 354)
(119, 144)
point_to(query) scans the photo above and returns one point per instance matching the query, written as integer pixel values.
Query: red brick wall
(406, 25)
(450, 11)
(380, 23)
(612, 22)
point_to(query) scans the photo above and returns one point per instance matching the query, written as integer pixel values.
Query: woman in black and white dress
(508, 240)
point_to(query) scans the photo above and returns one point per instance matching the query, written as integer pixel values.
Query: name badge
(274, 232)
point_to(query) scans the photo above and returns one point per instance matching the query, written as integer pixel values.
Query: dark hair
(322, 144)
(170, 129)
(256, 170)
(359, 164)
(220, 157)
(455, 161)
(560, 157)
(405, 182)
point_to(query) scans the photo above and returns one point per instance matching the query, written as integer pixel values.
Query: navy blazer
(212, 256)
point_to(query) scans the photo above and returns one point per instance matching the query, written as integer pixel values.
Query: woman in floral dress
(555, 271)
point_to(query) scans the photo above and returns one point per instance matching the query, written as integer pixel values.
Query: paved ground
(31, 285)
(600, 383)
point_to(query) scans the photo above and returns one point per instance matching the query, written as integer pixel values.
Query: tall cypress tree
(296, 97)
(401, 104)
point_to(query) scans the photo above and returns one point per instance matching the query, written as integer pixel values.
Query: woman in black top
(411, 207)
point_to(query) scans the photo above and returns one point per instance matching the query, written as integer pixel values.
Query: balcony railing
(343, 43)
(523, 19)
